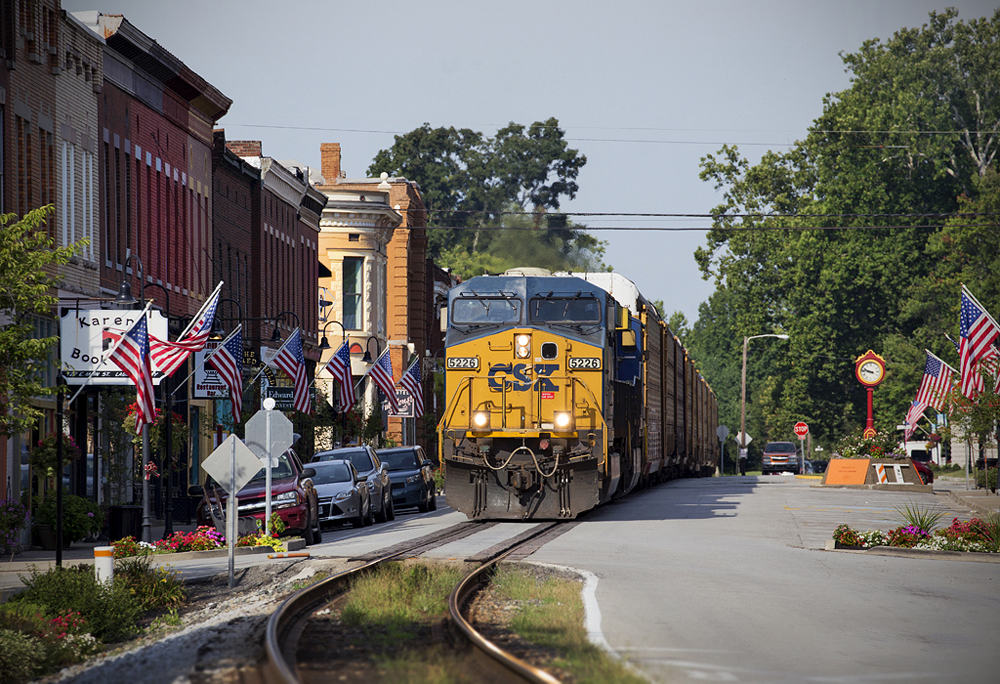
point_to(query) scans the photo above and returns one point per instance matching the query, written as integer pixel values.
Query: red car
(293, 498)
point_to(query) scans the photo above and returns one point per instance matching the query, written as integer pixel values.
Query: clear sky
(643, 89)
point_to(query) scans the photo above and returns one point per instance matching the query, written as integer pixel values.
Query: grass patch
(395, 603)
(549, 612)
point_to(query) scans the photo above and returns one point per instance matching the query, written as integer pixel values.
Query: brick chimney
(245, 148)
(329, 155)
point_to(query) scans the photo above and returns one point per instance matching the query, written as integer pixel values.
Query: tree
(826, 241)
(28, 274)
(478, 189)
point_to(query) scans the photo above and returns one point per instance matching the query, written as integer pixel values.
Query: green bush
(153, 587)
(21, 657)
(81, 517)
(110, 611)
(987, 479)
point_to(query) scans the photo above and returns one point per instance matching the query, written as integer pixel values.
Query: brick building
(284, 254)
(405, 285)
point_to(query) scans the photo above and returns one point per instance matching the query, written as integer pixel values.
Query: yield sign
(281, 434)
(220, 464)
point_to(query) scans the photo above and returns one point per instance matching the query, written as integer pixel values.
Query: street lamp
(218, 330)
(276, 335)
(125, 298)
(168, 517)
(367, 358)
(325, 343)
(743, 396)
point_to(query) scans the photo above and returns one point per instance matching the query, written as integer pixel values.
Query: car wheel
(380, 515)
(359, 522)
(392, 510)
(434, 499)
(318, 534)
(370, 518)
(424, 506)
(308, 533)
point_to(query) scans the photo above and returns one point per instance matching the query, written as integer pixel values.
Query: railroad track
(289, 622)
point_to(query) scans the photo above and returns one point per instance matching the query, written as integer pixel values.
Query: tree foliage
(478, 189)
(840, 243)
(28, 276)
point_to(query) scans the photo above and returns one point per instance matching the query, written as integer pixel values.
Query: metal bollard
(104, 563)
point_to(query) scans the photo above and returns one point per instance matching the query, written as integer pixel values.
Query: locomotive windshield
(575, 310)
(485, 310)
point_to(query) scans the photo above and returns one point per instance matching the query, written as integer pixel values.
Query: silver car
(367, 463)
(343, 494)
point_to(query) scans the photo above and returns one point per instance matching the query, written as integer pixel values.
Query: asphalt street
(728, 579)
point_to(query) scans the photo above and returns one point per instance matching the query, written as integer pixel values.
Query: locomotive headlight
(522, 346)
(481, 420)
(563, 420)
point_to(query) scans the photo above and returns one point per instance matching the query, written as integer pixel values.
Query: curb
(970, 500)
(925, 554)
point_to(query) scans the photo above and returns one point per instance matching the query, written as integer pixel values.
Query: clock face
(870, 372)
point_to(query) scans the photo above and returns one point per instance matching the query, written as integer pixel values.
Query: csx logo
(518, 379)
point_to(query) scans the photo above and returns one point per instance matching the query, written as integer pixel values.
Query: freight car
(563, 392)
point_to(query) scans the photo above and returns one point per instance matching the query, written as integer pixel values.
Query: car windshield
(564, 310)
(781, 448)
(400, 460)
(282, 470)
(358, 457)
(330, 473)
(481, 310)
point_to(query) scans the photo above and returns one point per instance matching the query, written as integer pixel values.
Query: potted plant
(81, 518)
(44, 458)
(13, 517)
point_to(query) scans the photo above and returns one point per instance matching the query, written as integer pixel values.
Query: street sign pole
(268, 406)
(231, 516)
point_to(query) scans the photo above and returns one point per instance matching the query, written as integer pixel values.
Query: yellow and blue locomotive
(562, 392)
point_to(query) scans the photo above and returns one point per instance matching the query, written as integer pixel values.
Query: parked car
(367, 462)
(412, 475)
(293, 498)
(926, 474)
(343, 493)
(780, 457)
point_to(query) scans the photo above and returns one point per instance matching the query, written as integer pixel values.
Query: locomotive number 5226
(584, 363)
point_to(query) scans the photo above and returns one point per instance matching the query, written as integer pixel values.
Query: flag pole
(264, 365)
(198, 315)
(207, 357)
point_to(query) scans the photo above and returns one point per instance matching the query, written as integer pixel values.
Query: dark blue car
(412, 476)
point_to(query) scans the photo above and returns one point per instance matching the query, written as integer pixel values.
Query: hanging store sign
(82, 344)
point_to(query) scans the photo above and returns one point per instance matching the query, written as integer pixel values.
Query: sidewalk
(81, 552)
(981, 501)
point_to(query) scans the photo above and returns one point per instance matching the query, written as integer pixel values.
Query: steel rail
(286, 624)
(472, 584)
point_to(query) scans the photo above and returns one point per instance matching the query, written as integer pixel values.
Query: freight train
(563, 392)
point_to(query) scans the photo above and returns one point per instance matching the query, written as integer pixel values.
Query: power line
(740, 228)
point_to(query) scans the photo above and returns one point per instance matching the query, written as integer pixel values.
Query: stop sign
(801, 429)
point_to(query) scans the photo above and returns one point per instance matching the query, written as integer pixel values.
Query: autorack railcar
(563, 392)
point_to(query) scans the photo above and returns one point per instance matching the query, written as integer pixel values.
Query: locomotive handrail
(464, 394)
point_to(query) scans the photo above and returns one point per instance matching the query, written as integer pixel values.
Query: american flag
(339, 366)
(411, 383)
(291, 360)
(169, 356)
(227, 360)
(979, 331)
(132, 356)
(938, 381)
(915, 413)
(381, 372)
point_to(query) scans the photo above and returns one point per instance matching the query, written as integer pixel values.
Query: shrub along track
(298, 651)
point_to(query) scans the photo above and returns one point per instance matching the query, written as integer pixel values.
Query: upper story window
(353, 299)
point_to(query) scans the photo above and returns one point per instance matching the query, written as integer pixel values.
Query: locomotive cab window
(565, 310)
(485, 310)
